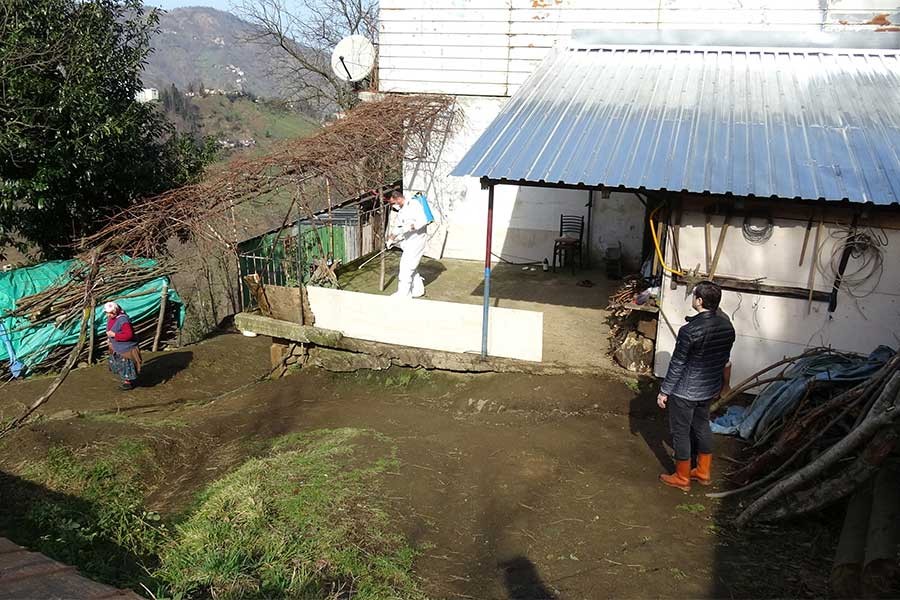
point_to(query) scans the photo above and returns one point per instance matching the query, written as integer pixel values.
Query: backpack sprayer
(429, 218)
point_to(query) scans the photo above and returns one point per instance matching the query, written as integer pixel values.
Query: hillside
(236, 119)
(206, 45)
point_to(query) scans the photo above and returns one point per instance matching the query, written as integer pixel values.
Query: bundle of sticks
(144, 331)
(62, 302)
(829, 445)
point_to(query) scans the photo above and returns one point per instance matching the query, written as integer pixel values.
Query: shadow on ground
(647, 420)
(584, 289)
(365, 279)
(160, 369)
(67, 528)
(522, 580)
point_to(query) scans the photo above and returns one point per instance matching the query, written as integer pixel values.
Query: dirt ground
(512, 486)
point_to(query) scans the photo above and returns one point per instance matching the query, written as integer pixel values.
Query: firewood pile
(627, 293)
(62, 303)
(832, 442)
(838, 441)
(631, 333)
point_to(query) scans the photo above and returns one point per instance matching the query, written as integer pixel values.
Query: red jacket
(125, 333)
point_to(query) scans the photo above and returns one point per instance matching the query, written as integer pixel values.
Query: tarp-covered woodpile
(361, 152)
(823, 425)
(35, 333)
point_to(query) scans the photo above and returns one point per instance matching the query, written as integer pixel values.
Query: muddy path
(512, 486)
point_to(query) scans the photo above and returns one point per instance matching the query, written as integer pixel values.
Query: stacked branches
(351, 156)
(832, 443)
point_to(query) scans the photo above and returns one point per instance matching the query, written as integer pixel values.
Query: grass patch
(126, 419)
(395, 378)
(86, 509)
(694, 509)
(303, 522)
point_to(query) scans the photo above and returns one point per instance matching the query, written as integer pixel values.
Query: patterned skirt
(125, 368)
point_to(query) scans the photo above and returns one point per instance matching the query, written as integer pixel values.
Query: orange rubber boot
(681, 478)
(703, 473)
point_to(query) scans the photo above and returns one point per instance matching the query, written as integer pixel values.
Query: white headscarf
(111, 308)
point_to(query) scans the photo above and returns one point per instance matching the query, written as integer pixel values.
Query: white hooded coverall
(408, 227)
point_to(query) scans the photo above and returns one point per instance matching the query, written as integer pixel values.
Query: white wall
(489, 47)
(769, 328)
(526, 219)
(420, 323)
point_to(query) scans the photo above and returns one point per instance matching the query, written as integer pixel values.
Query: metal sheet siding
(786, 123)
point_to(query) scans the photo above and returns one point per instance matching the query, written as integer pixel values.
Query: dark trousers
(689, 425)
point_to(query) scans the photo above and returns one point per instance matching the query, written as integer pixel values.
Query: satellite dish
(353, 58)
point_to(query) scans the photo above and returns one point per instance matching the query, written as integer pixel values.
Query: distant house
(147, 95)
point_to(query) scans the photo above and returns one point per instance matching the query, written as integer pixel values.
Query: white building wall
(769, 328)
(489, 47)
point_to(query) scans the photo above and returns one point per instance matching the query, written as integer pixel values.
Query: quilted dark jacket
(701, 352)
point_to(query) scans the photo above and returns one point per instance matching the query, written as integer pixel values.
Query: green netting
(31, 344)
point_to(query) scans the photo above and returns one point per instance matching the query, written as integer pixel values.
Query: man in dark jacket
(697, 374)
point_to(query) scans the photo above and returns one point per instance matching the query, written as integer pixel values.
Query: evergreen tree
(75, 145)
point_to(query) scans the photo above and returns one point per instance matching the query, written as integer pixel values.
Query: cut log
(881, 572)
(851, 551)
(845, 481)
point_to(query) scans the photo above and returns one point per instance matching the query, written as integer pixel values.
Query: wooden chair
(567, 247)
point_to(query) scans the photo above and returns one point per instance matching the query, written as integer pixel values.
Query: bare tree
(303, 33)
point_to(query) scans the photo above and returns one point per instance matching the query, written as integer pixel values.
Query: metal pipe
(590, 237)
(487, 272)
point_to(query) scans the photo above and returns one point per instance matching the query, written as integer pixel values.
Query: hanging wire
(866, 246)
(757, 234)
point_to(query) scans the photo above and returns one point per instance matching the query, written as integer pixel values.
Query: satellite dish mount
(353, 58)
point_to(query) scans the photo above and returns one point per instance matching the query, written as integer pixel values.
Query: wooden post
(814, 257)
(662, 243)
(707, 239)
(384, 228)
(676, 222)
(92, 325)
(719, 246)
(162, 315)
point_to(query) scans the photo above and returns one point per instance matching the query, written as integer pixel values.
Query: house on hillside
(147, 95)
(763, 139)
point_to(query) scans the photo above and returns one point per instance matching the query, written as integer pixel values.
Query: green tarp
(30, 345)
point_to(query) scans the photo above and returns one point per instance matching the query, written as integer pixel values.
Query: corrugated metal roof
(790, 123)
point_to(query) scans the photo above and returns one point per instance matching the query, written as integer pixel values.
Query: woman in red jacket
(124, 354)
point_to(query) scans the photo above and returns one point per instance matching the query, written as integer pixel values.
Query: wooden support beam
(744, 285)
(163, 299)
(286, 329)
(93, 325)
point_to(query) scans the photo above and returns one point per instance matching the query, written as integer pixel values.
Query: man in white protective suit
(408, 227)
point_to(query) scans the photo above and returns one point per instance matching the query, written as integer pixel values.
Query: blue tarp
(25, 345)
(780, 397)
